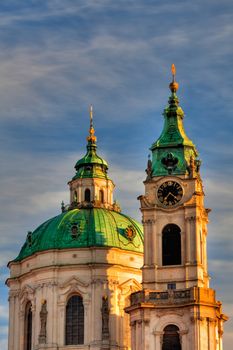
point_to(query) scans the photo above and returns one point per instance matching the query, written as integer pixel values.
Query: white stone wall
(199, 319)
(95, 185)
(57, 275)
(191, 217)
(195, 332)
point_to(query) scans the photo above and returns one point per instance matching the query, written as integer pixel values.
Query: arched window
(28, 327)
(87, 195)
(101, 196)
(171, 338)
(171, 245)
(75, 321)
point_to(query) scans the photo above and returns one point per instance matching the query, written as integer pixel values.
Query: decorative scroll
(130, 232)
(170, 162)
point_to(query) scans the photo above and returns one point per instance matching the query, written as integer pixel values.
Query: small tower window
(171, 286)
(28, 327)
(171, 245)
(75, 321)
(87, 195)
(171, 338)
(101, 196)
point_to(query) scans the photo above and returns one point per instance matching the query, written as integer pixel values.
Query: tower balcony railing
(173, 296)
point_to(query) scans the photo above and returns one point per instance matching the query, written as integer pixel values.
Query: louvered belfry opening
(171, 338)
(171, 238)
(28, 326)
(101, 196)
(75, 321)
(87, 195)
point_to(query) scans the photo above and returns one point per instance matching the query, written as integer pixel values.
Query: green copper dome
(83, 228)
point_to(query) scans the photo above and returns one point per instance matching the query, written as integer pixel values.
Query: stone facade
(56, 275)
(192, 218)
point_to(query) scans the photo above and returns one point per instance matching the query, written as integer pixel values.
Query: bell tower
(176, 309)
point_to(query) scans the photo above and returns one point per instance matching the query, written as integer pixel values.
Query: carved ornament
(73, 281)
(26, 293)
(145, 203)
(148, 222)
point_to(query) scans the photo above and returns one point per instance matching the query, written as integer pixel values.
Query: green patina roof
(96, 227)
(173, 151)
(91, 165)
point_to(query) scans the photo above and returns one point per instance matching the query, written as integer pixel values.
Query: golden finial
(174, 85)
(173, 69)
(91, 136)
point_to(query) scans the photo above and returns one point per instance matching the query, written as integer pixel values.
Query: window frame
(72, 338)
(171, 237)
(28, 323)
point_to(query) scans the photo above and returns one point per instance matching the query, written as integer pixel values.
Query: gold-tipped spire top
(173, 70)
(91, 137)
(173, 85)
(91, 116)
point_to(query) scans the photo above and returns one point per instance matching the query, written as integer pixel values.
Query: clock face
(170, 193)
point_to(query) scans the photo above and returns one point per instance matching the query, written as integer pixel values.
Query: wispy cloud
(3, 311)
(57, 57)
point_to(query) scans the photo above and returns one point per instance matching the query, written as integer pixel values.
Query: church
(93, 278)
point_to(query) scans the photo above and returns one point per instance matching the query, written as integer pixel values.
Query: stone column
(13, 322)
(34, 324)
(183, 339)
(86, 305)
(193, 241)
(146, 334)
(139, 335)
(158, 340)
(187, 240)
(61, 311)
(113, 317)
(146, 242)
(133, 335)
(153, 247)
(121, 305)
(198, 242)
(21, 339)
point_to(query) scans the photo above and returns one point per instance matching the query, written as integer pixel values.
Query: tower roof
(173, 152)
(91, 165)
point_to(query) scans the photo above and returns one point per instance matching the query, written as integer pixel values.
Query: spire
(173, 99)
(91, 165)
(91, 138)
(173, 149)
(173, 85)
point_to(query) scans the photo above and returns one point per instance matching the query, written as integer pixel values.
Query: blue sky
(57, 57)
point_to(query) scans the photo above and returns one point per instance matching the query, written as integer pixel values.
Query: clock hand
(172, 195)
(168, 196)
